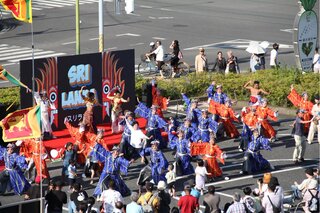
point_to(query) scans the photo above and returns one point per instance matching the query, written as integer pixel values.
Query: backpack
(275, 209)
(313, 203)
(147, 205)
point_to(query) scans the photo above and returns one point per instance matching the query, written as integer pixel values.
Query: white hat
(151, 43)
(161, 185)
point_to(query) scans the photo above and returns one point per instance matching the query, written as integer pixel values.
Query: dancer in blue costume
(125, 147)
(254, 161)
(188, 130)
(158, 162)
(183, 158)
(155, 122)
(12, 176)
(172, 129)
(206, 124)
(192, 111)
(113, 166)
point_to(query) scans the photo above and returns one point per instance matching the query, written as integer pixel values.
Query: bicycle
(149, 67)
(182, 69)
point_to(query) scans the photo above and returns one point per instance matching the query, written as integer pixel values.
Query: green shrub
(277, 82)
(10, 95)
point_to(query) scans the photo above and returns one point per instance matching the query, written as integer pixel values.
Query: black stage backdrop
(63, 77)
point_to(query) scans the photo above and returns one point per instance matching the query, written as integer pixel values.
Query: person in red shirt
(188, 203)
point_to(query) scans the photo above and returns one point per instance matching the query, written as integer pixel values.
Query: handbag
(227, 69)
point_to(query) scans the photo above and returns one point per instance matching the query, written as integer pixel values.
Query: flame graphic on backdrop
(111, 78)
(49, 83)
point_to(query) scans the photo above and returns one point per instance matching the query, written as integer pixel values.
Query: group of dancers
(195, 137)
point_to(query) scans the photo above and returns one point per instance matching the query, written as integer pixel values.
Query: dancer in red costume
(263, 112)
(158, 99)
(302, 103)
(32, 147)
(227, 115)
(212, 153)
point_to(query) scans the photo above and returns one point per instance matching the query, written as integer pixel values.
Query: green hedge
(277, 82)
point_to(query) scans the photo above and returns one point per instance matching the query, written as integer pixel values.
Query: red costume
(263, 113)
(298, 101)
(211, 154)
(227, 115)
(159, 100)
(249, 117)
(214, 107)
(34, 148)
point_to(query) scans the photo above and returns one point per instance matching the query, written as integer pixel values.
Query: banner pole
(77, 28)
(101, 36)
(32, 46)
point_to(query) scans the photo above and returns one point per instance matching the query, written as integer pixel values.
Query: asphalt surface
(280, 157)
(213, 24)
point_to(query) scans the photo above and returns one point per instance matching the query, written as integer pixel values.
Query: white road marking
(166, 9)
(287, 30)
(136, 44)
(128, 34)
(92, 39)
(8, 64)
(71, 42)
(259, 175)
(151, 17)
(40, 56)
(112, 48)
(134, 14)
(224, 194)
(166, 17)
(159, 38)
(145, 6)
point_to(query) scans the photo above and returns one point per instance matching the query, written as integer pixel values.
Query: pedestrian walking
(201, 61)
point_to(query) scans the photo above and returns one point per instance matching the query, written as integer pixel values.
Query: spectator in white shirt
(274, 56)
(309, 194)
(299, 189)
(272, 200)
(315, 124)
(110, 196)
(316, 61)
(159, 54)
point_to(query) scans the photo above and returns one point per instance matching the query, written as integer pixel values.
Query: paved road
(215, 25)
(280, 158)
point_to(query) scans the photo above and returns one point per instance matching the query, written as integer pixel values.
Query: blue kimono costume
(220, 98)
(246, 135)
(189, 132)
(171, 130)
(125, 146)
(183, 158)
(192, 115)
(158, 164)
(210, 91)
(155, 123)
(14, 164)
(111, 170)
(203, 132)
(254, 162)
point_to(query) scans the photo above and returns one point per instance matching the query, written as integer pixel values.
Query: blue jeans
(72, 207)
(296, 192)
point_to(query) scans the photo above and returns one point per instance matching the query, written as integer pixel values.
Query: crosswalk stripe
(15, 53)
(19, 50)
(40, 56)
(62, 3)
(14, 57)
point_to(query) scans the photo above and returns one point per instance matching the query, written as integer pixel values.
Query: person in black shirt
(77, 197)
(175, 56)
(56, 198)
(220, 64)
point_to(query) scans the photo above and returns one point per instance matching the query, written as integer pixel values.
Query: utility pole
(77, 28)
(101, 37)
